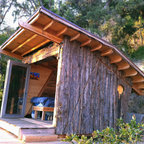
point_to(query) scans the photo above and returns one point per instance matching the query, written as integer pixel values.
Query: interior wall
(86, 91)
(35, 86)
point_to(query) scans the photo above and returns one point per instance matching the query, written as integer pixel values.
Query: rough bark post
(86, 91)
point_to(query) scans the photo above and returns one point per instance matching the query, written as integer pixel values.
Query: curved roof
(45, 26)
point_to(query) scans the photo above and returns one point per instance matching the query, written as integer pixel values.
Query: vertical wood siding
(86, 91)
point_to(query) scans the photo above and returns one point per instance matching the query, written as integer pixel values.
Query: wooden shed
(90, 79)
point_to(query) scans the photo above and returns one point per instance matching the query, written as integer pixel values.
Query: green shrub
(124, 134)
(138, 54)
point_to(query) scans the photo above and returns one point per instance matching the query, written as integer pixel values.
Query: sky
(9, 19)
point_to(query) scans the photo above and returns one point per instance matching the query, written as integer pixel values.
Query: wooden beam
(130, 72)
(10, 54)
(36, 47)
(86, 43)
(137, 90)
(139, 85)
(142, 92)
(48, 25)
(97, 47)
(107, 52)
(123, 65)
(40, 32)
(115, 58)
(42, 54)
(138, 78)
(10, 40)
(35, 35)
(75, 37)
(62, 31)
(20, 31)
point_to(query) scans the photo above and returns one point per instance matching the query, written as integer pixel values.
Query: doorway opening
(41, 90)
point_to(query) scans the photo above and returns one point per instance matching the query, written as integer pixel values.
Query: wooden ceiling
(45, 26)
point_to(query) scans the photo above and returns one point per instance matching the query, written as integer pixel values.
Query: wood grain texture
(10, 54)
(86, 90)
(35, 86)
(40, 32)
(41, 54)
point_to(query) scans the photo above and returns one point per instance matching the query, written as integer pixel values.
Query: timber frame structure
(45, 26)
(46, 34)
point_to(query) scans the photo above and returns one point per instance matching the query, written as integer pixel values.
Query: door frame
(10, 63)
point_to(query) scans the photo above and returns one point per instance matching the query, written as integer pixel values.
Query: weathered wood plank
(10, 54)
(40, 32)
(35, 47)
(42, 54)
(87, 90)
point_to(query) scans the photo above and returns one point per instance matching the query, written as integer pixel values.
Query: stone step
(48, 131)
(38, 131)
(39, 137)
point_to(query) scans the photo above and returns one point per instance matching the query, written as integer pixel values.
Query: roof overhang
(45, 26)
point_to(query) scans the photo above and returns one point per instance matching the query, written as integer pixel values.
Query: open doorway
(41, 90)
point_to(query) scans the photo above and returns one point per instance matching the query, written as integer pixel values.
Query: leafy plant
(139, 53)
(124, 134)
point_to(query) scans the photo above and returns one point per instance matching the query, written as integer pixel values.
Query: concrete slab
(8, 138)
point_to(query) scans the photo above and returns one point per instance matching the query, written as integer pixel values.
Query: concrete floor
(8, 138)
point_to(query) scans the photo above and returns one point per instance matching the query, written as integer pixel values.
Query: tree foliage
(118, 21)
(5, 6)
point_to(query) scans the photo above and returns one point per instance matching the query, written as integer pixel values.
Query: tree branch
(6, 12)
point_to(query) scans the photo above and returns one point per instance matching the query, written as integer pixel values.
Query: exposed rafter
(35, 35)
(123, 65)
(140, 85)
(137, 90)
(48, 25)
(12, 39)
(97, 47)
(40, 32)
(75, 37)
(20, 31)
(10, 54)
(42, 54)
(130, 72)
(138, 78)
(62, 31)
(86, 43)
(36, 47)
(107, 52)
(115, 58)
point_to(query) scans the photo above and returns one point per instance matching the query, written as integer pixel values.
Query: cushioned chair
(43, 102)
